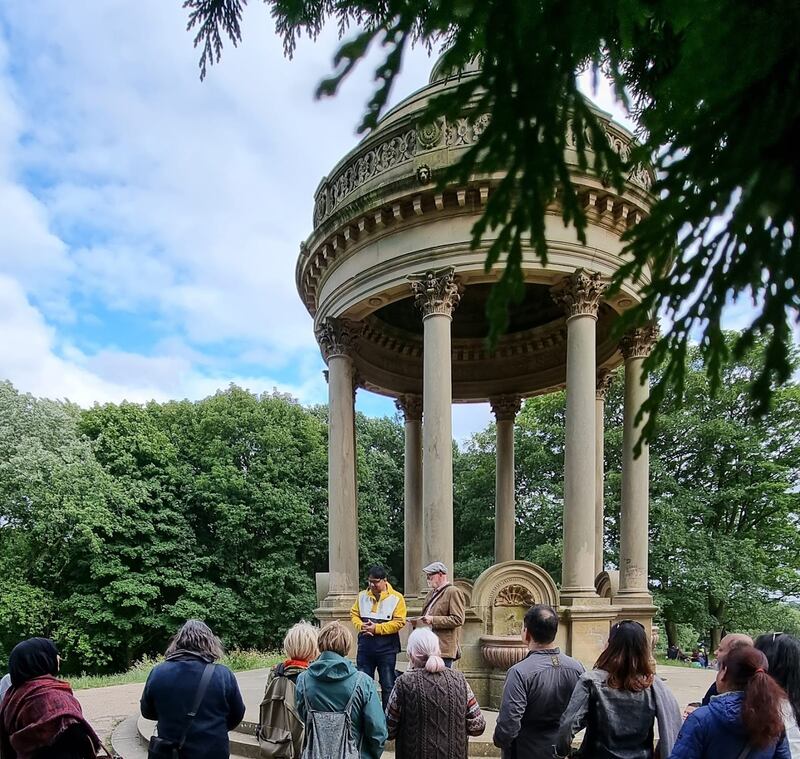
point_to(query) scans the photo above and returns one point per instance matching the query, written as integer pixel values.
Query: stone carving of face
(424, 174)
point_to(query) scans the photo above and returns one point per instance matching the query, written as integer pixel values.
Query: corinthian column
(634, 516)
(336, 338)
(604, 380)
(505, 409)
(579, 295)
(437, 294)
(411, 406)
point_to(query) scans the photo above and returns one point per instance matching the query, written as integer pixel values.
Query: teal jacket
(327, 685)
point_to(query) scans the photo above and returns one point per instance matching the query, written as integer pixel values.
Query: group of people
(317, 703)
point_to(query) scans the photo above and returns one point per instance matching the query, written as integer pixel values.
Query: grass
(239, 660)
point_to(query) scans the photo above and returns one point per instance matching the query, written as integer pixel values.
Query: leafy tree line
(119, 522)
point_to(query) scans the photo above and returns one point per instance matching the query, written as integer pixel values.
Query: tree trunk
(717, 610)
(671, 629)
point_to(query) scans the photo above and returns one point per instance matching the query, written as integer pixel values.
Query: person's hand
(368, 628)
(427, 619)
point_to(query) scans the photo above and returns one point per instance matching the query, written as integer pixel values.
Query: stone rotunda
(398, 299)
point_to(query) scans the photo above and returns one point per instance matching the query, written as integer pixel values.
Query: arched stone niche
(465, 586)
(504, 592)
(607, 584)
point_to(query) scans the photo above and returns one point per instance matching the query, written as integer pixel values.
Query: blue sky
(150, 223)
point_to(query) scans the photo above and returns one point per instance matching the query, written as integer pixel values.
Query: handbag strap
(746, 751)
(208, 673)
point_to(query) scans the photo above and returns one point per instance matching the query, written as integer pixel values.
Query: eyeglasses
(373, 581)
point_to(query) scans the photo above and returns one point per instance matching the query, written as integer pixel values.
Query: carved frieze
(436, 292)
(580, 293)
(639, 341)
(515, 595)
(505, 407)
(337, 337)
(410, 406)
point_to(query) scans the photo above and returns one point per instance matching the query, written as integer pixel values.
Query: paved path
(106, 707)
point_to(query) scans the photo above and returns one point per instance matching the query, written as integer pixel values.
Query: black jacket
(169, 694)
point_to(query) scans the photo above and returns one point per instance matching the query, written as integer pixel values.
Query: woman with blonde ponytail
(432, 710)
(744, 721)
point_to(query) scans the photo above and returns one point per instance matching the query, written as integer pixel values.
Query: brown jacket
(446, 607)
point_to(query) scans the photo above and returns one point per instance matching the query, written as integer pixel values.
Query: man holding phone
(378, 615)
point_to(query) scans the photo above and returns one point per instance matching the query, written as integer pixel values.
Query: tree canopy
(713, 85)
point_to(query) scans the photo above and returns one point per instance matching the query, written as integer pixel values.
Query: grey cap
(434, 567)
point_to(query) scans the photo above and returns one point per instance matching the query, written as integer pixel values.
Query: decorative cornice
(579, 294)
(505, 407)
(410, 406)
(605, 378)
(337, 337)
(639, 341)
(404, 144)
(436, 292)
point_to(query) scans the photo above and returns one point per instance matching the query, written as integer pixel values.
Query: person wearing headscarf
(40, 718)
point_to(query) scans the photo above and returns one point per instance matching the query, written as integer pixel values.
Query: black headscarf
(32, 658)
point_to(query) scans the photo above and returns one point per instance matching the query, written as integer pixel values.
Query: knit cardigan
(430, 714)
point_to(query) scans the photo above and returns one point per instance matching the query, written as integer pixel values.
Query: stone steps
(129, 740)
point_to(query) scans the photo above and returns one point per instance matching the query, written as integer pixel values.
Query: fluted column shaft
(436, 295)
(580, 295)
(505, 409)
(635, 504)
(336, 337)
(604, 379)
(411, 406)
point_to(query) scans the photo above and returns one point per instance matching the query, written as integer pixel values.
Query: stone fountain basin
(502, 651)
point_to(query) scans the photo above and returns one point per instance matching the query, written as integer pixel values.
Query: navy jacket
(169, 694)
(716, 731)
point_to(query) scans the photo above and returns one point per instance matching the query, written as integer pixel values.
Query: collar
(548, 651)
(389, 590)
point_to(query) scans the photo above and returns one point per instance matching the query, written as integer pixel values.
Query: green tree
(56, 510)
(713, 84)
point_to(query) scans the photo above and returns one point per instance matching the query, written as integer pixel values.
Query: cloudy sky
(150, 223)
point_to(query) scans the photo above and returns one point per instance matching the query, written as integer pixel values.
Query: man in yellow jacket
(378, 615)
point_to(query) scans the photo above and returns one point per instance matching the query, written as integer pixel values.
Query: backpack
(329, 735)
(279, 725)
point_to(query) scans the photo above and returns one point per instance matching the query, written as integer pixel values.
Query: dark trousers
(367, 662)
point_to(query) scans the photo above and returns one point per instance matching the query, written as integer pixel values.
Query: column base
(579, 595)
(587, 628)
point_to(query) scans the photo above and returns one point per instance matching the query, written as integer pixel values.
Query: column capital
(436, 291)
(337, 337)
(639, 341)
(505, 407)
(410, 406)
(579, 293)
(605, 378)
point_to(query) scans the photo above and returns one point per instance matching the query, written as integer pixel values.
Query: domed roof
(442, 71)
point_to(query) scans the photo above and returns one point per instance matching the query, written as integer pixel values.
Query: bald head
(731, 642)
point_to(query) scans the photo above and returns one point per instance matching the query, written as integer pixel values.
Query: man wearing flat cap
(443, 611)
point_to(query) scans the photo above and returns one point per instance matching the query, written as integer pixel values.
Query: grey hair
(423, 650)
(196, 636)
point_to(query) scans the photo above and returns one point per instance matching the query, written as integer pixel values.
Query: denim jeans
(367, 662)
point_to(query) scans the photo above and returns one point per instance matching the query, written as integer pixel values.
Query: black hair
(377, 572)
(541, 622)
(783, 654)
